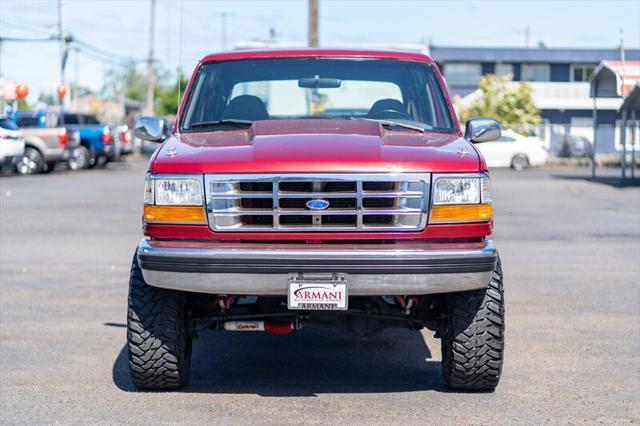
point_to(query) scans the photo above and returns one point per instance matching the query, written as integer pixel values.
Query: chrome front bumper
(405, 268)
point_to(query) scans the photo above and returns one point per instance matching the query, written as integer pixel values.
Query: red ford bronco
(316, 188)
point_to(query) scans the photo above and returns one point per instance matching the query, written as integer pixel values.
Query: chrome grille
(356, 202)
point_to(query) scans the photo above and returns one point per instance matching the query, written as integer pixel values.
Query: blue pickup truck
(97, 144)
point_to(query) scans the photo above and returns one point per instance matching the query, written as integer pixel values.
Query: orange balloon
(61, 90)
(22, 90)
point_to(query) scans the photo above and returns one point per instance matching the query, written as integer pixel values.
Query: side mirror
(482, 129)
(153, 129)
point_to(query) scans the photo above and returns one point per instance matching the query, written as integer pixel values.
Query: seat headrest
(245, 107)
(387, 104)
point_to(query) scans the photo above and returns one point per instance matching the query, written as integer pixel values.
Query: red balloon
(61, 91)
(22, 90)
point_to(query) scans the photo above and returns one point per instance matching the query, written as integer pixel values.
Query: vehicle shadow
(306, 363)
(614, 181)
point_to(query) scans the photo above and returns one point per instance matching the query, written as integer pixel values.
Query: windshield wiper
(390, 123)
(226, 121)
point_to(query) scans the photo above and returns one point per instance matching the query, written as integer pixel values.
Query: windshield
(29, 121)
(7, 123)
(243, 91)
(40, 119)
(78, 119)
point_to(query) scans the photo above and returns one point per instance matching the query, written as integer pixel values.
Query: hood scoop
(315, 126)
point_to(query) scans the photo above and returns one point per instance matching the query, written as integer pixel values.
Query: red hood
(296, 146)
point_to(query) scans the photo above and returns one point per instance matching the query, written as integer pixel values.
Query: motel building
(560, 82)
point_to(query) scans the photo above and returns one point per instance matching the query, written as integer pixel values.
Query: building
(619, 81)
(559, 80)
(109, 109)
(463, 66)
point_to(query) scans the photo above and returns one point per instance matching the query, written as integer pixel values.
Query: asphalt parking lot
(570, 250)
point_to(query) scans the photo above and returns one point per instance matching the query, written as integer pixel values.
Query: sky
(122, 27)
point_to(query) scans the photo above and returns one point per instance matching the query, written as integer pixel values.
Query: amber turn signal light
(174, 214)
(461, 213)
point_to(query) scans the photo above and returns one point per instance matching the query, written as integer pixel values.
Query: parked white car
(11, 143)
(514, 150)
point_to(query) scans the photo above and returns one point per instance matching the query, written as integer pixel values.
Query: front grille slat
(395, 202)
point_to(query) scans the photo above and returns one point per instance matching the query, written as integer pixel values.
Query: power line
(24, 27)
(86, 48)
(98, 51)
(83, 47)
(28, 39)
(104, 59)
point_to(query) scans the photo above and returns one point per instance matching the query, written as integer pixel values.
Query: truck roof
(316, 52)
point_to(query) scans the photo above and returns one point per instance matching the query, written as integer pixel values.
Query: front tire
(49, 167)
(519, 162)
(473, 343)
(158, 337)
(93, 157)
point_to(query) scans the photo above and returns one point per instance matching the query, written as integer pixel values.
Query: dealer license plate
(318, 292)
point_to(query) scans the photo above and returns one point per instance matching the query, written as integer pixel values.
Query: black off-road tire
(473, 343)
(158, 336)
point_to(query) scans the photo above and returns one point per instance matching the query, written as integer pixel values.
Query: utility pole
(150, 82)
(313, 23)
(526, 36)
(3, 83)
(76, 72)
(623, 134)
(622, 44)
(63, 48)
(223, 29)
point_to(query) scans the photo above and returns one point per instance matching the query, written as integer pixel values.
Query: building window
(581, 72)
(504, 69)
(535, 72)
(462, 74)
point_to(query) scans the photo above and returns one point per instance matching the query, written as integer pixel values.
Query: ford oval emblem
(317, 204)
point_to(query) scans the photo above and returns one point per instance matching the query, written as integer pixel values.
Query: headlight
(173, 199)
(457, 191)
(180, 192)
(461, 198)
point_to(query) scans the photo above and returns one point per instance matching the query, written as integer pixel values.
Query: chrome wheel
(80, 160)
(31, 163)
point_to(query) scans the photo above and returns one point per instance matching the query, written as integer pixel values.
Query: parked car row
(36, 141)
(520, 152)
(514, 150)
(11, 143)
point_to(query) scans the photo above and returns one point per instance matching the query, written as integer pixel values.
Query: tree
(127, 80)
(134, 84)
(166, 94)
(22, 105)
(509, 103)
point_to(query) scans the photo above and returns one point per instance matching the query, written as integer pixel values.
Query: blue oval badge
(317, 204)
